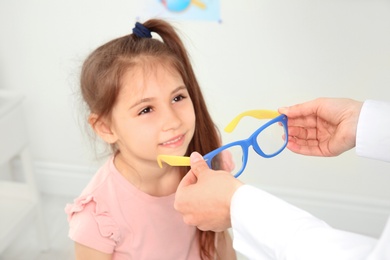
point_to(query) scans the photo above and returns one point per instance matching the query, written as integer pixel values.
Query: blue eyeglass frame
(251, 141)
(244, 144)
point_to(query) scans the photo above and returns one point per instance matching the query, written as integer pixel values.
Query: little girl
(144, 100)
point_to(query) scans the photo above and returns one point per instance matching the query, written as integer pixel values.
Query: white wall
(264, 54)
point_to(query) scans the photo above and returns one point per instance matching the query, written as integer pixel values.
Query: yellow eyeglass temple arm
(173, 160)
(259, 114)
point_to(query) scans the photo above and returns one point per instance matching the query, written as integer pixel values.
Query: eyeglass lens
(230, 160)
(271, 139)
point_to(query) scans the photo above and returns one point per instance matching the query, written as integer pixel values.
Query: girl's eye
(178, 98)
(145, 111)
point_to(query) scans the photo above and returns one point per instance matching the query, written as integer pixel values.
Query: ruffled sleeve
(91, 224)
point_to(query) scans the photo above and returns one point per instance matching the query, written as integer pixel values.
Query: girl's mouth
(175, 141)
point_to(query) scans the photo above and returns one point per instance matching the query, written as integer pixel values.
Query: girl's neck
(147, 177)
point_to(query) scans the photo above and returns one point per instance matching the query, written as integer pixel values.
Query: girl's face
(153, 115)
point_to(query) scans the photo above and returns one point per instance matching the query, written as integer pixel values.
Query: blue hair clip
(141, 31)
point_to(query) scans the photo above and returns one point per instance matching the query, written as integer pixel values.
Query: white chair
(20, 205)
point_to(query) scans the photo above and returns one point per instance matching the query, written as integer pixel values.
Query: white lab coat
(265, 227)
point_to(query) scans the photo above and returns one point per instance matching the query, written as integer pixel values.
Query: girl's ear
(102, 128)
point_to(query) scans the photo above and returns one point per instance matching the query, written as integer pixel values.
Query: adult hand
(203, 196)
(322, 127)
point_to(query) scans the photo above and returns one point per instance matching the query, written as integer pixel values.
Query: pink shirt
(114, 217)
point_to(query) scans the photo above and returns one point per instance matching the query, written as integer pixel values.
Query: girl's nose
(171, 120)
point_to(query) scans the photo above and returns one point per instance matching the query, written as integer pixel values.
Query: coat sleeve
(265, 227)
(373, 132)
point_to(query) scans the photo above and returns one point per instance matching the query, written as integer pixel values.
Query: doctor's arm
(266, 227)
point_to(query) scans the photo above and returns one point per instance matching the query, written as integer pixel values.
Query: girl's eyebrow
(178, 89)
(144, 100)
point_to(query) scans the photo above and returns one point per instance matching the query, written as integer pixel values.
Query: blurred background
(260, 55)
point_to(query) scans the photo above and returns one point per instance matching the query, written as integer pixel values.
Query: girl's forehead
(157, 66)
(139, 77)
(146, 70)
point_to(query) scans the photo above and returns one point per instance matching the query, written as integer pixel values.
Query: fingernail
(195, 156)
(282, 109)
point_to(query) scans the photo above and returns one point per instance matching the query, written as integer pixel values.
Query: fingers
(302, 133)
(304, 147)
(301, 126)
(300, 110)
(303, 121)
(227, 162)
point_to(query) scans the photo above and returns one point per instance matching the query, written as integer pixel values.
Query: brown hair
(101, 77)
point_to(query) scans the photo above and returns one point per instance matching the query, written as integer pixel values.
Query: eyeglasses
(268, 141)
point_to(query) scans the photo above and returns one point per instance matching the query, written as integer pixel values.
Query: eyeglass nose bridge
(244, 145)
(245, 154)
(256, 146)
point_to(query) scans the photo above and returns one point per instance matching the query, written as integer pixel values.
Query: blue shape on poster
(180, 5)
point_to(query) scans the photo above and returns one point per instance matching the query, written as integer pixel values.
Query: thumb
(187, 180)
(198, 164)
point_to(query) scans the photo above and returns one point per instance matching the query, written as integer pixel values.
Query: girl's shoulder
(97, 196)
(93, 213)
(101, 179)
(105, 182)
